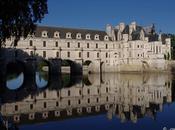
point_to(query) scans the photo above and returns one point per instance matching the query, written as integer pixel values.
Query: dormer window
(44, 34)
(106, 38)
(78, 35)
(96, 37)
(56, 35)
(88, 36)
(68, 35)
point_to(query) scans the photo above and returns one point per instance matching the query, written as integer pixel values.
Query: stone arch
(75, 68)
(86, 66)
(14, 67)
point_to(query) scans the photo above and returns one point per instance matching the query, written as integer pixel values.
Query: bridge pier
(76, 67)
(2, 74)
(55, 67)
(30, 73)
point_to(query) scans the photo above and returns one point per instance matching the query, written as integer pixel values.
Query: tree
(18, 18)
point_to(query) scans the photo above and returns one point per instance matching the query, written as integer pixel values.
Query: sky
(95, 14)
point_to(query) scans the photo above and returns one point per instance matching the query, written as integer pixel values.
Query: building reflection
(125, 96)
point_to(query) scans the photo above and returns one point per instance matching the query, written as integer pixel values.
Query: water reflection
(129, 97)
(41, 79)
(15, 81)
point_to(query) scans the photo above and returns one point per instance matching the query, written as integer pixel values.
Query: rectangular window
(16, 107)
(68, 92)
(106, 55)
(97, 55)
(78, 45)
(44, 43)
(68, 54)
(87, 54)
(31, 53)
(57, 54)
(56, 44)
(68, 44)
(106, 46)
(31, 106)
(79, 54)
(31, 43)
(96, 45)
(45, 105)
(44, 54)
(87, 45)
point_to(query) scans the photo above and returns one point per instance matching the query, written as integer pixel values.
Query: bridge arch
(15, 71)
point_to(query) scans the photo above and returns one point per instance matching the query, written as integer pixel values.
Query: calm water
(107, 102)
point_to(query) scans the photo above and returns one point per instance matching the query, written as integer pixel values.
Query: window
(107, 99)
(79, 54)
(57, 104)
(97, 55)
(97, 100)
(96, 45)
(106, 38)
(88, 91)
(78, 36)
(16, 107)
(106, 55)
(44, 34)
(87, 45)
(56, 35)
(44, 43)
(68, 35)
(106, 46)
(68, 54)
(78, 45)
(137, 46)
(44, 94)
(68, 92)
(88, 36)
(57, 54)
(57, 94)
(107, 90)
(45, 105)
(87, 54)
(88, 100)
(31, 106)
(44, 54)
(79, 101)
(56, 44)
(68, 44)
(69, 103)
(31, 43)
(31, 53)
(80, 92)
(96, 37)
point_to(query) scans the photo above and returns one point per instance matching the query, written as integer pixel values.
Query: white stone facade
(121, 48)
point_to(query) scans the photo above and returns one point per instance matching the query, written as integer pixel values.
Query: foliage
(18, 18)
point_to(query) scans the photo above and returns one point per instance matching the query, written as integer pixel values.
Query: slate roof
(62, 31)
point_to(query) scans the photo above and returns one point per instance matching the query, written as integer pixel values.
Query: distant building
(120, 48)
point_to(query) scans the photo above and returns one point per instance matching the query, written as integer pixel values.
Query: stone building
(120, 48)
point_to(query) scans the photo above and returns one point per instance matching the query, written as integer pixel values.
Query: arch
(75, 68)
(86, 66)
(15, 69)
(42, 74)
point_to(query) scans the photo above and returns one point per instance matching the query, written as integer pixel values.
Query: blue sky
(95, 14)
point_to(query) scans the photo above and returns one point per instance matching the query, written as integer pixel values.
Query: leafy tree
(18, 18)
